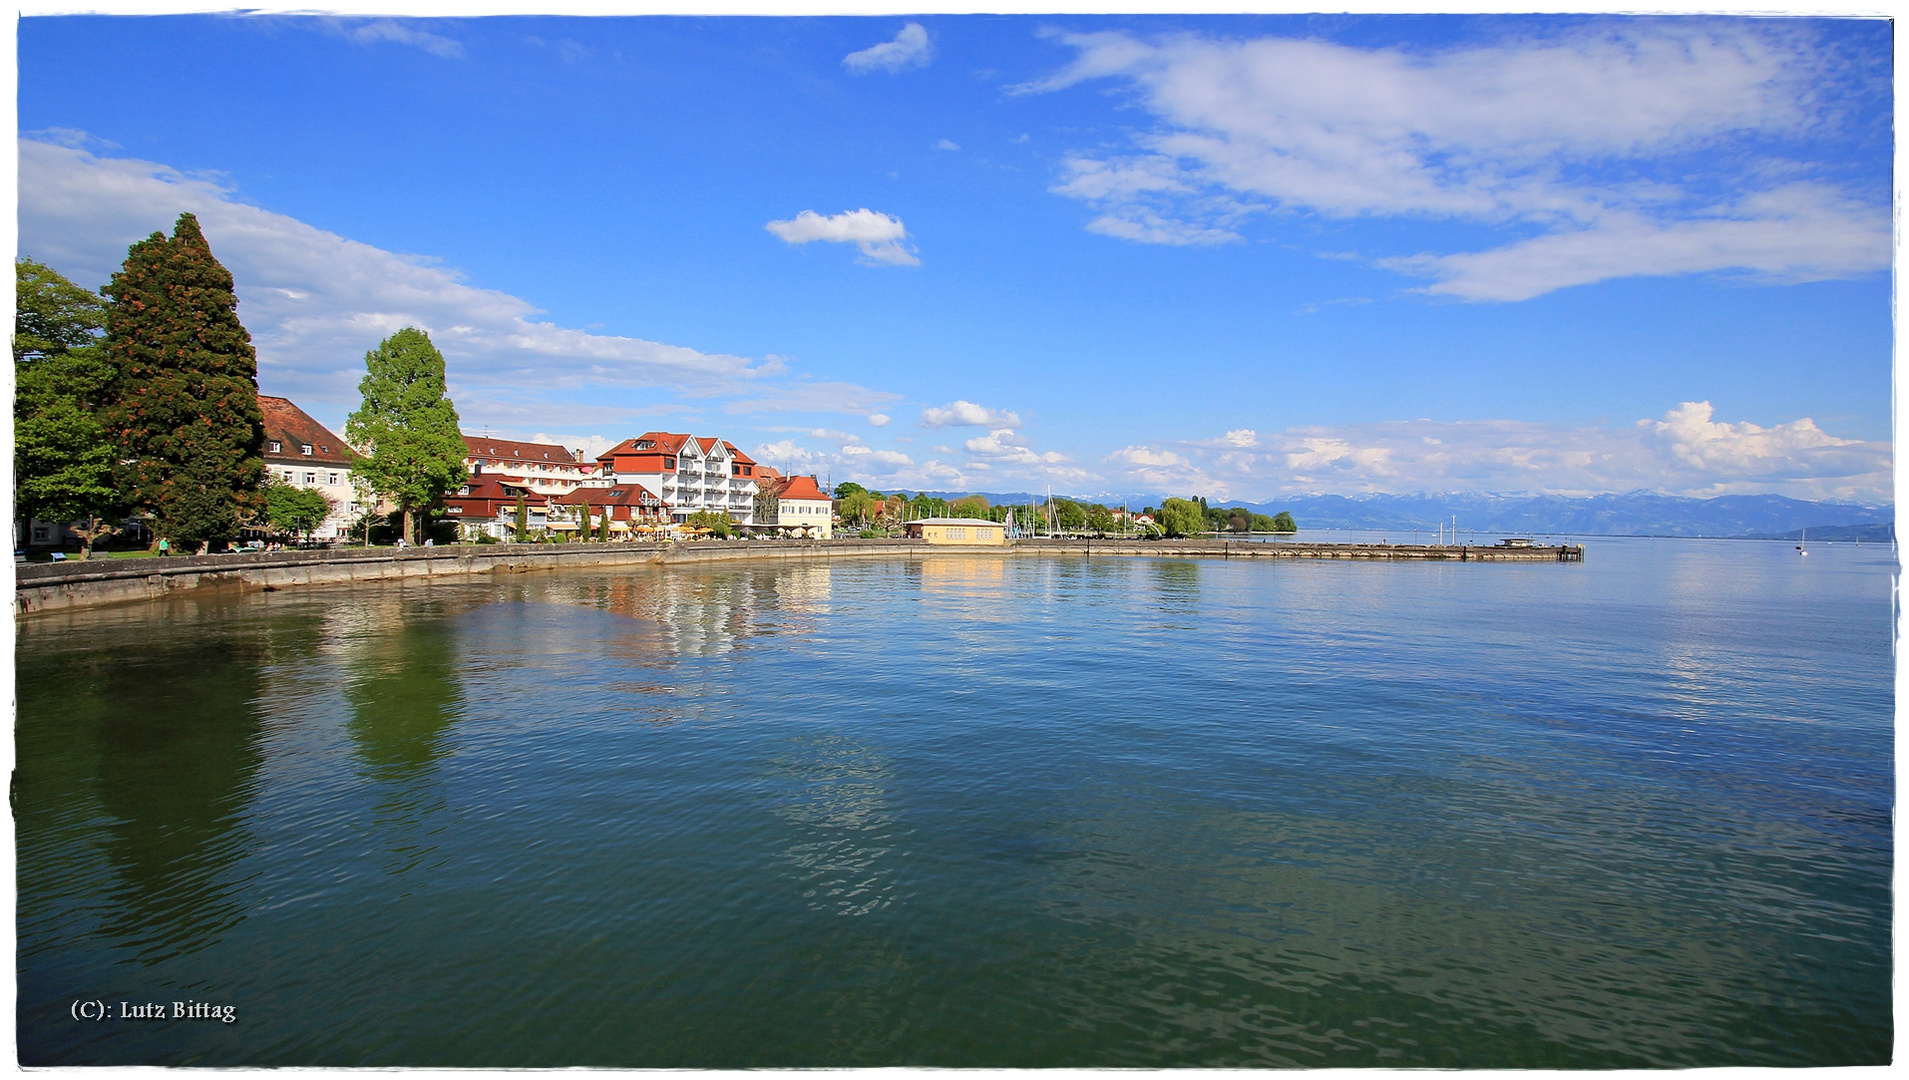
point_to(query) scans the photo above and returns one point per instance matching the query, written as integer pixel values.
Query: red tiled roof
(802, 487)
(661, 442)
(619, 495)
(288, 425)
(664, 442)
(511, 450)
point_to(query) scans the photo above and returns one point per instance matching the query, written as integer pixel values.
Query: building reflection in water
(696, 611)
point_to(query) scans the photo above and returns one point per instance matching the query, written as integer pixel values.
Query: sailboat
(1800, 549)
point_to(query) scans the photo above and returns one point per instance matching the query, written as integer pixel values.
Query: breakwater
(70, 584)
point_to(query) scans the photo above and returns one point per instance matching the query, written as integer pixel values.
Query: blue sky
(1230, 256)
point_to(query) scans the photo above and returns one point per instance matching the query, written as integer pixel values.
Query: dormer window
(305, 449)
(274, 447)
(669, 463)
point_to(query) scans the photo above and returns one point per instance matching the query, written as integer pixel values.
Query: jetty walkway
(73, 583)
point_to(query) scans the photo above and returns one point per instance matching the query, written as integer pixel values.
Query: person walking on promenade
(165, 547)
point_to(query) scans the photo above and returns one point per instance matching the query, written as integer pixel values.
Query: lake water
(975, 811)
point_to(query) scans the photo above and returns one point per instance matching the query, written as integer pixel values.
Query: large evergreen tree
(412, 451)
(62, 455)
(185, 410)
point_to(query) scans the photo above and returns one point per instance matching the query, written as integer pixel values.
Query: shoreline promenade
(72, 584)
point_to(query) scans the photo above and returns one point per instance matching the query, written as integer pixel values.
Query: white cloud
(387, 30)
(1802, 232)
(1642, 149)
(910, 48)
(1686, 452)
(879, 236)
(947, 144)
(877, 419)
(968, 414)
(591, 445)
(806, 396)
(316, 302)
(886, 457)
(1241, 437)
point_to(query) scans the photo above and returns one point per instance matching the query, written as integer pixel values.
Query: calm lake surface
(976, 811)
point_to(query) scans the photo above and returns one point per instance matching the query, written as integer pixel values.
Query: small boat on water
(1800, 549)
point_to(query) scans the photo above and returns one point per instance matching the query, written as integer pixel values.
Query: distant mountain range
(1634, 514)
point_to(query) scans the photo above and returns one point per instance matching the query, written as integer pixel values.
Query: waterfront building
(792, 505)
(486, 505)
(687, 472)
(969, 531)
(631, 507)
(302, 452)
(546, 468)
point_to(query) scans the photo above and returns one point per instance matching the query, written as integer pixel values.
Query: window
(305, 449)
(274, 447)
(331, 478)
(311, 478)
(323, 449)
(287, 474)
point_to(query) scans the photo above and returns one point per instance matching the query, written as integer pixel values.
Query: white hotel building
(686, 472)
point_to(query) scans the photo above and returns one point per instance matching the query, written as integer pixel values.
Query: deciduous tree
(62, 454)
(407, 427)
(1180, 517)
(294, 509)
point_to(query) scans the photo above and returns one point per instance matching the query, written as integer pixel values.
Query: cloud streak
(1617, 152)
(378, 31)
(1685, 452)
(878, 236)
(910, 48)
(315, 302)
(968, 414)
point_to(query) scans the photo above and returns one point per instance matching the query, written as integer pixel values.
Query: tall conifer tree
(185, 410)
(407, 427)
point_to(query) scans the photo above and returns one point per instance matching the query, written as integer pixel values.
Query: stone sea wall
(72, 584)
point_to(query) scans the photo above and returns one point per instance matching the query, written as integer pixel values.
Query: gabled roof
(512, 450)
(802, 487)
(289, 426)
(660, 442)
(664, 442)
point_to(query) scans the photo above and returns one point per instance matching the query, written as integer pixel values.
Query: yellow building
(958, 531)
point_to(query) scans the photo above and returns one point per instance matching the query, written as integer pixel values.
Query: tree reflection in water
(404, 693)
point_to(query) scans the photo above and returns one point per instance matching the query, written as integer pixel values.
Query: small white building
(793, 506)
(303, 453)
